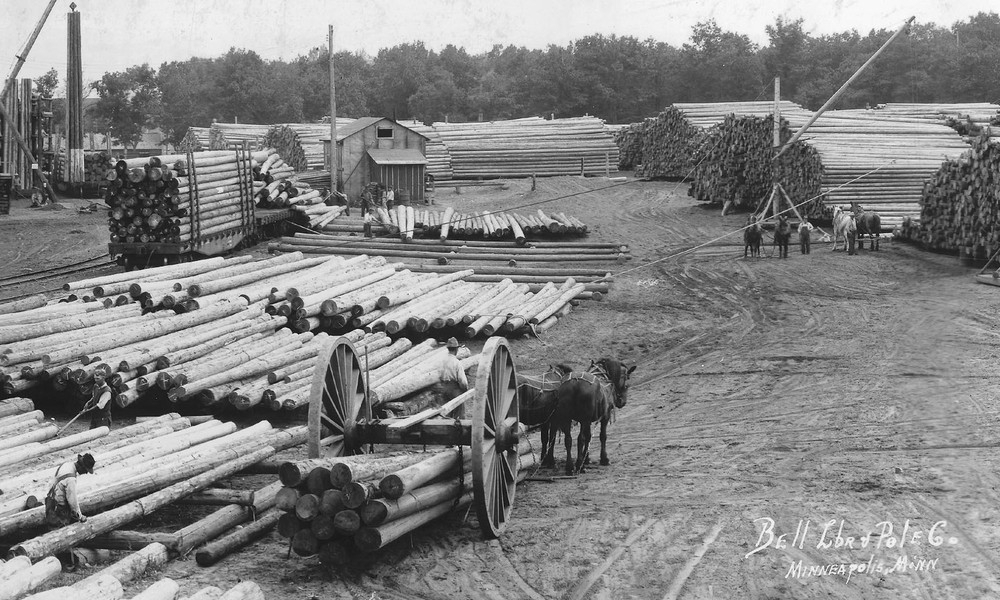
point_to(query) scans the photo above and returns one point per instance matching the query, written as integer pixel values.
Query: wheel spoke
(509, 475)
(506, 389)
(333, 424)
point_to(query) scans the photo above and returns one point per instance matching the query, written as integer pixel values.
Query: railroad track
(10, 282)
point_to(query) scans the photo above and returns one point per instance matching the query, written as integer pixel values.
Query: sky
(117, 34)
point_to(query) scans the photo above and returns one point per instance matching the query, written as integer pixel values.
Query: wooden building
(381, 150)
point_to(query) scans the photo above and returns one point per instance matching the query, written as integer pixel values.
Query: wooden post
(334, 155)
(27, 152)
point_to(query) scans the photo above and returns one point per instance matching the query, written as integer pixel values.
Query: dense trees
(619, 78)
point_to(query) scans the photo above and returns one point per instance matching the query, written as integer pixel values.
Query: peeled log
(102, 587)
(375, 468)
(369, 539)
(393, 486)
(206, 593)
(226, 545)
(25, 579)
(245, 590)
(14, 406)
(164, 589)
(294, 473)
(135, 565)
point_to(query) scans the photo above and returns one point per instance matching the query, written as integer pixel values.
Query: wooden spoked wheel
(495, 435)
(337, 401)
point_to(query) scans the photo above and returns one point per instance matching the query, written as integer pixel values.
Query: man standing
(100, 401)
(805, 231)
(453, 380)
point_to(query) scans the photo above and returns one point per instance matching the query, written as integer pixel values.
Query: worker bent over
(62, 507)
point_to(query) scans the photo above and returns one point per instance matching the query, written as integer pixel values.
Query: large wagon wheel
(337, 401)
(495, 422)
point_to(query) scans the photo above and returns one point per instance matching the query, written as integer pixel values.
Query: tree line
(619, 78)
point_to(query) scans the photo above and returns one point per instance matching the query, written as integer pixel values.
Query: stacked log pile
(232, 136)
(734, 164)
(435, 151)
(300, 144)
(450, 224)
(966, 118)
(668, 145)
(629, 140)
(196, 139)
(140, 468)
(873, 158)
(531, 146)
(960, 206)
(225, 331)
(334, 508)
(164, 199)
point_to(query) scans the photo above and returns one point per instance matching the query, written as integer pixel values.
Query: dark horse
(536, 399)
(588, 398)
(782, 233)
(752, 236)
(869, 223)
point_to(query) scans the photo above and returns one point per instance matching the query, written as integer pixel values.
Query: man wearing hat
(100, 401)
(453, 380)
(62, 507)
(61, 504)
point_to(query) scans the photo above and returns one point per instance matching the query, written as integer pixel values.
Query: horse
(752, 236)
(869, 223)
(536, 399)
(588, 398)
(844, 225)
(782, 233)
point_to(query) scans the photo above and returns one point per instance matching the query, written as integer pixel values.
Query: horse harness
(598, 375)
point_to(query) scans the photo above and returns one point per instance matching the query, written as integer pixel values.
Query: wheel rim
(337, 401)
(494, 437)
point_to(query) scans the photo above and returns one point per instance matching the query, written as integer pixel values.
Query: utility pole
(27, 48)
(334, 154)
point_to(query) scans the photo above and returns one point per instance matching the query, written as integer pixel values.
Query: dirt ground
(845, 398)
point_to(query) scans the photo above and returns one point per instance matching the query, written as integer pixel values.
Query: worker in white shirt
(453, 380)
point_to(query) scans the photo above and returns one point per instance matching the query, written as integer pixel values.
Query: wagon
(341, 423)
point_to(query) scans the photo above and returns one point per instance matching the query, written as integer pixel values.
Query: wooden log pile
(435, 151)
(960, 205)
(734, 164)
(531, 146)
(666, 145)
(165, 199)
(334, 508)
(450, 224)
(300, 144)
(629, 140)
(196, 139)
(241, 332)
(232, 136)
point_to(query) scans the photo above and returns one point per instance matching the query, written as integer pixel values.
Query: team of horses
(561, 396)
(852, 225)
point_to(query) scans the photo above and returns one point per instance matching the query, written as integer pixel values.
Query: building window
(384, 133)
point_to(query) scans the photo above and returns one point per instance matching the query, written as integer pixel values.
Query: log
(132, 540)
(393, 486)
(164, 589)
(26, 579)
(206, 593)
(346, 522)
(245, 590)
(307, 507)
(342, 473)
(14, 406)
(304, 543)
(370, 539)
(217, 550)
(103, 587)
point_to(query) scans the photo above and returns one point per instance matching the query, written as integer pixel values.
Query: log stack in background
(300, 143)
(196, 139)
(229, 136)
(667, 145)
(435, 151)
(629, 139)
(531, 146)
(734, 163)
(164, 199)
(960, 207)
(878, 159)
